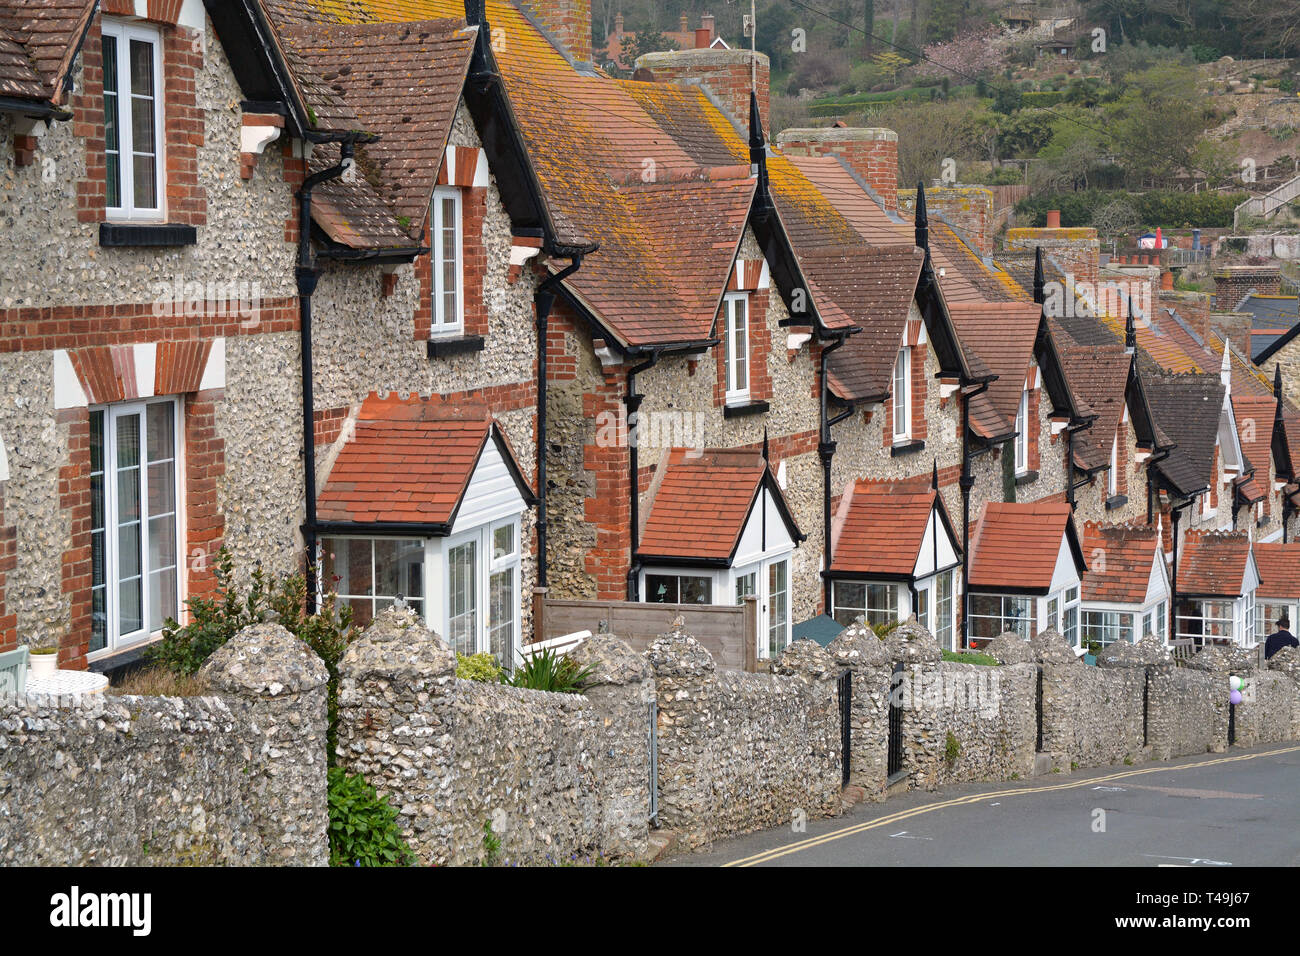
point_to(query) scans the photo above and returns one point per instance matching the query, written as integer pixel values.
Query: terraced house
(412, 295)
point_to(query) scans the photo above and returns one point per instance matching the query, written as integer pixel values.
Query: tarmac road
(1237, 809)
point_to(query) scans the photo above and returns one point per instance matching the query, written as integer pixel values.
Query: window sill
(145, 235)
(906, 448)
(127, 655)
(1117, 501)
(456, 345)
(748, 408)
(1026, 478)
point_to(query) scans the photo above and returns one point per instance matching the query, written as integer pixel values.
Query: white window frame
(1266, 621)
(885, 612)
(902, 382)
(123, 34)
(374, 598)
(735, 308)
(440, 324)
(1026, 626)
(1182, 630)
(485, 565)
(1108, 625)
(114, 640)
(679, 575)
(1022, 433)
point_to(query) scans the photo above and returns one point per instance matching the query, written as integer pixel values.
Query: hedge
(1165, 207)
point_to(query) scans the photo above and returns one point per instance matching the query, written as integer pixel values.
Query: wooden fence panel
(729, 633)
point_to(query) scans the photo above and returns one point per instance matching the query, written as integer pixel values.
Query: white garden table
(67, 682)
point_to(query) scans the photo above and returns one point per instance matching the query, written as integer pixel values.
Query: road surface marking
(1191, 860)
(902, 815)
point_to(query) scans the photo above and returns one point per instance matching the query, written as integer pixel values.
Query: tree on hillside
(635, 45)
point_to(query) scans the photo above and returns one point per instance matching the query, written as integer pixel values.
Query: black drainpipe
(966, 483)
(633, 401)
(307, 275)
(543, 300)
(826, 450)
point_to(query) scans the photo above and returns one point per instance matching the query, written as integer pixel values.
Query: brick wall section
(609, 510)
(74, 502)
(1034, 458)
(295, 172)
(87, 105)
(36, 329)
(726, 74)
(187, 202)
(568, 21)
(205, 464)
(871, 152)
(8, 560)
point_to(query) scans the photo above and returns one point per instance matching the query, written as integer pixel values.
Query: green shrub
(1160, 207)
(216, 620)
(970, 657)
(549, 671)
(363, 827)
(952, 749)
(480, 667)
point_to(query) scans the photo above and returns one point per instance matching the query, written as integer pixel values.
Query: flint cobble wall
(964, 722)
(1092, 717)
(741, 752)
(232, 779)
(554, 775)
(1185, 715)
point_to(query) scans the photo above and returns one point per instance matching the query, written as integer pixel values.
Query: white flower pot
(42, 665)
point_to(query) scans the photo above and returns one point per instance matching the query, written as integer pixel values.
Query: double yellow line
(808, 844)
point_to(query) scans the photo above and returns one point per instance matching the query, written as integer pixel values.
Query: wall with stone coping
(556, 775)
(856, 649)
(232, 779)
(741, 752)
(1091, 717)
(1184, 714)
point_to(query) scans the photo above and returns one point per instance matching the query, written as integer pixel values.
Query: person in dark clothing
(1280, 638)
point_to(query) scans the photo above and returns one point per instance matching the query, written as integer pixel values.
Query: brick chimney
(724, 73)
(1235, 327)
(1232, 283)
(968, 209)
(568, 22)
(1054, 219)
(1075, 249)
(871, 152)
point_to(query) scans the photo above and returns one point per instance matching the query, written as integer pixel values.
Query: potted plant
(42, 658)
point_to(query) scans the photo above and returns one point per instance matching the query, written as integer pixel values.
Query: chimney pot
(1054, 219)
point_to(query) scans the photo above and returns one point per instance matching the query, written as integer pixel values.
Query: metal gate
(1038, 710)
(845, 696)
(1232, 724)
(895, 759)
(1146, 707)
(654, 763)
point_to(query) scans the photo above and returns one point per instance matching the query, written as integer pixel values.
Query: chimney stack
(568, 22)
(871, 153)
(724, 73)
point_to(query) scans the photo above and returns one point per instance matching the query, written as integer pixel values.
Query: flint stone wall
(556, 775)
(1185, 715)
(233, 779)
(741, 752)
(1091, 716)
(988, 711)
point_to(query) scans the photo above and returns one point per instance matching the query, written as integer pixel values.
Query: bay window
(678, 589)
(778, 607)
(370, 574)
(736, 348)
(876, 603)
(1204, 621)
(447, 245)
(1107, 627)
(133, 120)
(134, 527)
(994, 614)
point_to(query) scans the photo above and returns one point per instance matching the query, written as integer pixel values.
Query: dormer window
(447, 242)
(903, 396)
(736, 348)
(133, 120)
